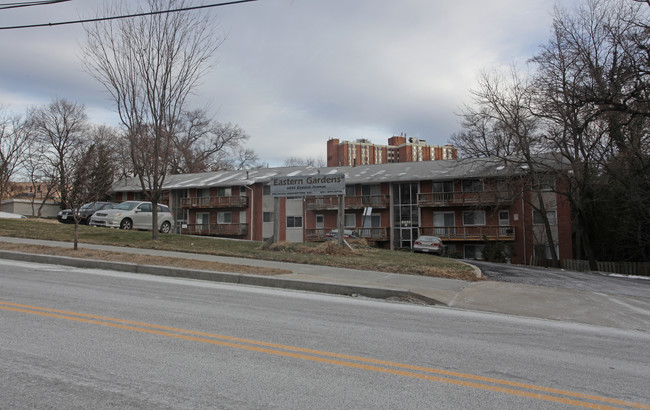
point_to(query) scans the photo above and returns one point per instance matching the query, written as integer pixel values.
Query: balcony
(214, 202)
(471, 233)
(369, 234)
(449, 199)
(215, 229)
(351, 202)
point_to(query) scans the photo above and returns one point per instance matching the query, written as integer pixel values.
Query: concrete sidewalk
(624, 312)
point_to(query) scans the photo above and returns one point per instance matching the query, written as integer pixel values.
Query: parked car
(347, 234)
(429, 244)
(133, 215)
(85, 212)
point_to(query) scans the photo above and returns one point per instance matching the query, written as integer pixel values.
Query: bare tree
(589, 101)
(60, 128)
(202, 145)
(305, 162)
(503, 123)
(592, 88)
(92, 178)
(40, 173)
(15, 140)
(150, 65)
(244, 158)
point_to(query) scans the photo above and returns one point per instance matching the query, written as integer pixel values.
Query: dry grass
(362, 256)
(141, 259)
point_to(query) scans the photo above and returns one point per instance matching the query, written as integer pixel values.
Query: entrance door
(320, 226)
(405, 213)
(504, 223)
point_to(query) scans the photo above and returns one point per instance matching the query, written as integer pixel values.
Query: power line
(151, 13)
(8, 6)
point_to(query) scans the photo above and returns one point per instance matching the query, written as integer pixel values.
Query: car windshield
(126, 206)
(87, 206)
(429, 238)
(94, 206)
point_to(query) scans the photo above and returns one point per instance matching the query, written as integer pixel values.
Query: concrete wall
(24, 207)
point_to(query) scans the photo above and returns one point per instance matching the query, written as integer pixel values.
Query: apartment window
(267, 217)
(444, 223)
(473, 218)
(224, 217)
(203, 220)
(294, 221)
(266, 190)
(504, 218)
(544, 182)
(350, 220)
(538, 218)
(350, 190)
(443, 186)
(224, 191)
(472, 185)
(242, 190)
(370, 190)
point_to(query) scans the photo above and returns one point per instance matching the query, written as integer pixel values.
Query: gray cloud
(293, 73)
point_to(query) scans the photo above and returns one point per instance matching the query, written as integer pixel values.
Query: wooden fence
(624, 268)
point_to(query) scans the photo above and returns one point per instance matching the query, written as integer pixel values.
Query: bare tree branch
(149, 66)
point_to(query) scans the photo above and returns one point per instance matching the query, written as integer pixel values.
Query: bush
(499, 252)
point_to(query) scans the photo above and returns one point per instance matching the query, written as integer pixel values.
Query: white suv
(133, 215)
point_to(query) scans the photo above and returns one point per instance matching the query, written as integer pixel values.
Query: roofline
(438, 170)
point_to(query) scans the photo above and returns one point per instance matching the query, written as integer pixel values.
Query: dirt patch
(142, 259)
(325, 248)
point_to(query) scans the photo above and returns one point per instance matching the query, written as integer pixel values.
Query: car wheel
(166, 227)
(126, 224)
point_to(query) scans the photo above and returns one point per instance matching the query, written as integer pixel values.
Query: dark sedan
(85, 212)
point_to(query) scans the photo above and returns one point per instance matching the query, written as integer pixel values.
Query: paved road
(101, 339)
(603, 306)
(559, 278)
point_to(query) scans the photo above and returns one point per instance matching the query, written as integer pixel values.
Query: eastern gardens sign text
(313, 185)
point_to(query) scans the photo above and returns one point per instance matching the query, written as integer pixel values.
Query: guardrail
(370, 234)
(446, 199)
(215, 202)
(470, 233)
(351, 202)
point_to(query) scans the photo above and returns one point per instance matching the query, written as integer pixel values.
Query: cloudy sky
(294, 73)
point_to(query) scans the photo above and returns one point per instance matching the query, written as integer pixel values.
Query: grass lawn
(327, 254)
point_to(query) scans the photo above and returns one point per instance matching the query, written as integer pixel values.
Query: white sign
(313, 185)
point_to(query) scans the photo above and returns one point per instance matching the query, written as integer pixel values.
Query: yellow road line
(151, 329)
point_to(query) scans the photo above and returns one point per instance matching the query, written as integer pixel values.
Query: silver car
(133, 215)
(429, 244)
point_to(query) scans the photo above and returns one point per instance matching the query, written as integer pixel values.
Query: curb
(224, 277)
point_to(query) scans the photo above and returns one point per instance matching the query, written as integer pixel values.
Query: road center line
(287, 351)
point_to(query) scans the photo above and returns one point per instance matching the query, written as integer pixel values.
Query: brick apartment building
(468, 203)
(399, 149)
(26, 190)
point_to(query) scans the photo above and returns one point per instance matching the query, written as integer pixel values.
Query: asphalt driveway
(559, 278)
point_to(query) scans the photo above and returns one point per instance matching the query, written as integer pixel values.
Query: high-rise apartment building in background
(399, 149)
